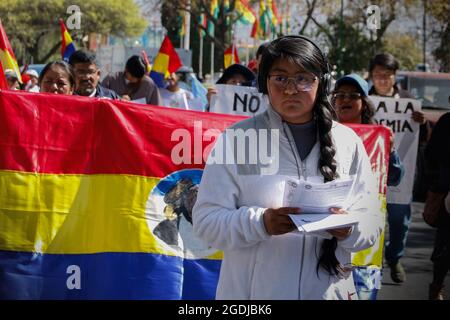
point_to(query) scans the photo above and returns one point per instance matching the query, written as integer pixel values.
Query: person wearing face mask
(174, 96)
(57, 77)
(133, 83)
(87, 76)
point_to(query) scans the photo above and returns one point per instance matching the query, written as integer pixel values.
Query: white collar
(92, 95)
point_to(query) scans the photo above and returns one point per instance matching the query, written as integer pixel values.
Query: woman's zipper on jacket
(303, 165)
(301, 169)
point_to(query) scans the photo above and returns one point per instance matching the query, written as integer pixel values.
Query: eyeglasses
(349, 96)
(301, 82)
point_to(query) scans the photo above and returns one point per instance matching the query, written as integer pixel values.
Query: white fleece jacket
(228, 215)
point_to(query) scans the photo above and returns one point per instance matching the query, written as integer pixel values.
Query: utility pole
(424, 34)
(187, 25)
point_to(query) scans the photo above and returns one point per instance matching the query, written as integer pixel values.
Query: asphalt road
(416, 262)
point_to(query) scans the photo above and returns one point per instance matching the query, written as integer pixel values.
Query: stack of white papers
(322, 221)
(315, 201)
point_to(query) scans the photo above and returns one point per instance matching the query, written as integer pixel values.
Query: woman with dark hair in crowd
(353, 105)
(240, 207)
(57, 77)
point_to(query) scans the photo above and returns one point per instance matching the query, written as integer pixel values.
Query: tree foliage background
(344, 35)
(33, 28)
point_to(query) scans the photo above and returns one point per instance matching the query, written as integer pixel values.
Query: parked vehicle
(433, 89)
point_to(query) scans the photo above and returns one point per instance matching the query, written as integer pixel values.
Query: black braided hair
(325, 114)
(309, 57)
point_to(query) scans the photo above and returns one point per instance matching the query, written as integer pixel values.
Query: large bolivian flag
(96, 197)
(376, 142)
(92, 205)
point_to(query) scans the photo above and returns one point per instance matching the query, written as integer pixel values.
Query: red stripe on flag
(3, 82)
(49, 133)
(174, 60)
(376, 142)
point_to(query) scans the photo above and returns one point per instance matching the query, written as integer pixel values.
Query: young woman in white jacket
(240, 207)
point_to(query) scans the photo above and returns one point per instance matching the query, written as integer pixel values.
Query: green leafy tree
(353, 53)
(440, 10)
(404, 48)
(33, 27)
(223, 24)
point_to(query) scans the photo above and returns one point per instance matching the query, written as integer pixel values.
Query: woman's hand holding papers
(340, 233)
(277, 221)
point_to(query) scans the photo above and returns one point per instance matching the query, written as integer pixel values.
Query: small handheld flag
(166, 62)
(230, 56)
(67, 46)
(7, 57)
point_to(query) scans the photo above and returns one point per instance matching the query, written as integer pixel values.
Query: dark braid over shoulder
(325, 114)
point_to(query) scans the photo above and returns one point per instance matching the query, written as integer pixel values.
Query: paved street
(416, 262)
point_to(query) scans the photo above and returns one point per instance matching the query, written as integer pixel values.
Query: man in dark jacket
(438, 168)
(133, 83)
(87, 76)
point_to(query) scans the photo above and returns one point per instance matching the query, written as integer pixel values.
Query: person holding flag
(166, 62)
(174, 96)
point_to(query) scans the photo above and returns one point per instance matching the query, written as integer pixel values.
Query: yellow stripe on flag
(70, 214)
(372, 256)
(8, 62)
(67, 38)
(161, 63)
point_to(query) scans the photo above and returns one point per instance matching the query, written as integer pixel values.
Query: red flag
(166, 62)
(230, 56)
(7, 57)
(255, 28)
(3, 83)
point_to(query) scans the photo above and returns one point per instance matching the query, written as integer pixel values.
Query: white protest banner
(238, 100)
(396, 114)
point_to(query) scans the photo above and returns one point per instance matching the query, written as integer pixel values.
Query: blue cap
(357, 81)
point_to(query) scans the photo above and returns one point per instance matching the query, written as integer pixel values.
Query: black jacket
(103, 92)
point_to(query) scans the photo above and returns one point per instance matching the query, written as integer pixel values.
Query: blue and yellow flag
(94, 203)
(98, 210)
